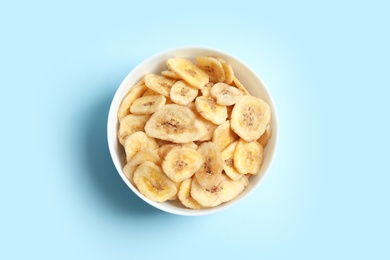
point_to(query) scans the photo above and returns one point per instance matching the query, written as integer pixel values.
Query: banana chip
(192, 134)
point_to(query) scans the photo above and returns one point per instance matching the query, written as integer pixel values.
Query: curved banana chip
(180, 163)
(250, 117)
(175, 123)
(147, 105)
(150, 92)
(160, 84)
(206, 89)
(213, 67)
(240, 86)
(135, 92)
(210, 110)
(130, 124)
(264, 138)
(136, 142)
(184, 195)
(183, 94)
(170, 74)
(153, 183)
(228, 161)
(230, 189)
(188, 71)
(224, 191)
(205, 197)
(163, 150)
(229, 73)
(225, 94)
(248, 157)
(140, 157)
(210, 127)
(211, 168)
(224, 135)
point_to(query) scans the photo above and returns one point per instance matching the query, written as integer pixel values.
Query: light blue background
(326, 64)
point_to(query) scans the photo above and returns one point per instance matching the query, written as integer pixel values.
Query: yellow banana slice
(136, 142)
(228, 161)
(206, 89)
(170, 74)
(135, 92)
(140, 157)
(264, 138)
(130, 124)
(224, 191)
(184, 195)
(225, 94)
(150, 92)
(188, 71)
(182, 94)
(248, 157)
(210, 128)
(153, 183)
(180, 163)
(250, 117)
(240, 86)
(147, 105)
(205, 197)
(229, 189)
(175, 123)
(211, 169)
(163, 150)
(210, 110)
(160, 84)
(229, 73)
(213, 67)
(224, 135)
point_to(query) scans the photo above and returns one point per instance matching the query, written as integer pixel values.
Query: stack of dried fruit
(193, 134)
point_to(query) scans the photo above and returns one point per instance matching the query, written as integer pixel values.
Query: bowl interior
(156, 64)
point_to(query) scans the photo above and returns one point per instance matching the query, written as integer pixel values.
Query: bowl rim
(112, 114)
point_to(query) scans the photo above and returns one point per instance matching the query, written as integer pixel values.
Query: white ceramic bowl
(156, 64)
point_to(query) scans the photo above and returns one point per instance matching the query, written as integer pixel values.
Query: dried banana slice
(229, 73)
(224, 135)
(153, 183)
(184, 195)
(175, 123)
(211, 169)
(225, 94)
(136, 142)
(150, 92)
(170, 74)
(239, 85)
(210, 127)
(210, 110)
(147, 105)
(135, 92)
(228, 161)
(163, 150)
(230, 189)
(183, 94)
(160, 84)
(250, 117)
(140, 157)
(205, 197)
(188, 71)
(180, 163)
(264, 138)
(224, 191)
(248, 157)
(213, 67)
(130, 124)
(206, 89)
